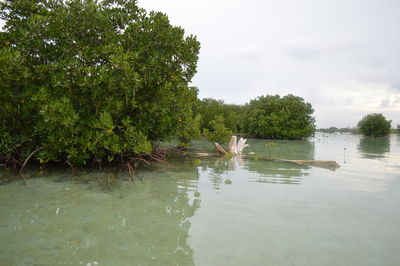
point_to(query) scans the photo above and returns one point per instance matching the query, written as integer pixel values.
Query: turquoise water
(220, 212)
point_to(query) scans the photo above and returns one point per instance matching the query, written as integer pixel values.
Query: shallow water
(220, 212)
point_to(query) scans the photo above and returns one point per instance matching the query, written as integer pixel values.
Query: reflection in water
(179, 201)
(219, 170)
(254, 170)
(372, 148)
(285, 149)
(398, 139)
(277, 172)
(53, 223)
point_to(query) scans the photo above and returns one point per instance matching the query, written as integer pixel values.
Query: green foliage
(374, 125)
(270, 145)
(277, 117)
(197, 162)
(187, 124)
(218, 132)
(209, 109)
(228, 181)
(229, 155)
(92, 79)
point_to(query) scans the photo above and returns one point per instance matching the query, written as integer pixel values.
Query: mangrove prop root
(30, 155)
(8, 160)
(15, 161)
(158, 159)
(132, 173)
(138, 159)
(74, 172)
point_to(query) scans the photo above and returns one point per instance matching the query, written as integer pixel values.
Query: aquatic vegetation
(197, 162)
(229, 155)
(270, 145)
(228, 181)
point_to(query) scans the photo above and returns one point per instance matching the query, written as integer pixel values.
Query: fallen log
(327, 164)
(332, 165)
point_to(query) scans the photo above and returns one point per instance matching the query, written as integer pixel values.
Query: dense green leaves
(211, 108)
(92, 79)
(277, 117)
(374, 125)
(218, 132)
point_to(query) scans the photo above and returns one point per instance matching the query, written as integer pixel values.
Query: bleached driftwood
(241, 145)
(232, 148)
(237, 149)
(219, 148)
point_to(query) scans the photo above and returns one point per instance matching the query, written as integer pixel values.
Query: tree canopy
(218, 132)
(276, 117)
(92, 79)
(374, 125)
(210, 108)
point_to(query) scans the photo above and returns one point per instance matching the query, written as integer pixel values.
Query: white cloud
(248, 52)
(352, 100)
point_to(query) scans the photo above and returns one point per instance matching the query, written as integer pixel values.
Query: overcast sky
(341, 56)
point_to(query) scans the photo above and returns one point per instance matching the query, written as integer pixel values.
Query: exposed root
(26, 161)
(74, 172)
(132, 173)
(158, 159)
(138, 159)
(10, 160)
(30, 155)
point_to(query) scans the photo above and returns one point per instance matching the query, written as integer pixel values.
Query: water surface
(217, 212)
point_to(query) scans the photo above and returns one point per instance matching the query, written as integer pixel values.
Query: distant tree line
(353, 130)
(270, 116)
(372, 125)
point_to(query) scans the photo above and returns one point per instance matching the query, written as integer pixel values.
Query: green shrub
(219, 132)
(92, 79)
(374, 125)
(210, 108)
(277, 117)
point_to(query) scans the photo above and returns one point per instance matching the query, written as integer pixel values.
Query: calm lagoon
(217, 212)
